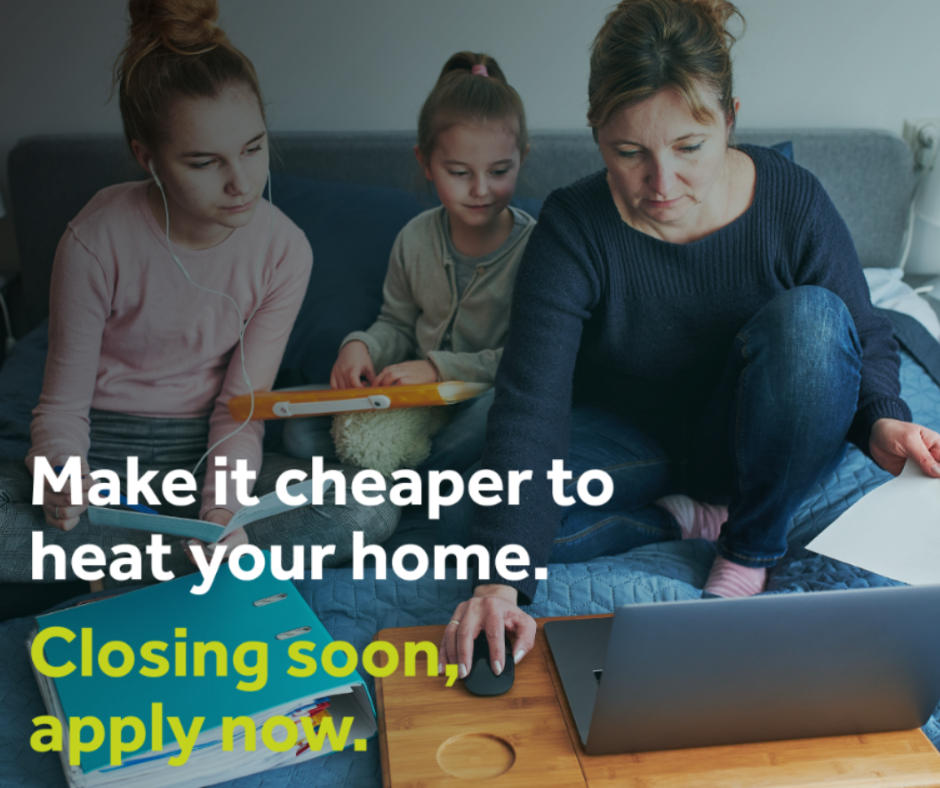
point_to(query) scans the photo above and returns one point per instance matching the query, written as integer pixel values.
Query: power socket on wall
(923, 135)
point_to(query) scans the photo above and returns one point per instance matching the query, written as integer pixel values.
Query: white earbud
(156, 178)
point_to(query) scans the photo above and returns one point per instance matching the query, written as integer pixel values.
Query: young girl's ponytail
(174, 48)
(471, 86)
(465, 61)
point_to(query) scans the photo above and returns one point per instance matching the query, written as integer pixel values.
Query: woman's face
(662, 163)
(213, 165)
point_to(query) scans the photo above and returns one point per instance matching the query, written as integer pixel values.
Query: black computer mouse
(481, 680)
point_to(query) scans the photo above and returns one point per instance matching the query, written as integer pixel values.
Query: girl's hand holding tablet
(57, 507)
(221, 518)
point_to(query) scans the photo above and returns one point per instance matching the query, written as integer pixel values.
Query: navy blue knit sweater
(605, 314)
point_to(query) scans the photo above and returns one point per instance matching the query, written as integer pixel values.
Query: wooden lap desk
(432, 736)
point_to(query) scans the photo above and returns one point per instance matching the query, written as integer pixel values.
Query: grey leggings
(163, 445)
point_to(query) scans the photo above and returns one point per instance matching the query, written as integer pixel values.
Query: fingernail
(497, 667)
(517, 657)
(935, 470)
(462, 671)
(440, 668)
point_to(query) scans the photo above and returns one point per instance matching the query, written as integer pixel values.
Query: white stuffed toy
(387, 440)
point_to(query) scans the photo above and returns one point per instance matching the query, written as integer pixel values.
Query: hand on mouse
(493, 610)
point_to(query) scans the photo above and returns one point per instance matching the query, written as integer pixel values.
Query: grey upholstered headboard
(869, 175)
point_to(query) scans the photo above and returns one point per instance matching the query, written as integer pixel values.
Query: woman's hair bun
(187, 27)
(718, 13)
(719, 10)
(645, 46)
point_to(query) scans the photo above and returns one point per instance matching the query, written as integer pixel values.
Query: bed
(321, 178)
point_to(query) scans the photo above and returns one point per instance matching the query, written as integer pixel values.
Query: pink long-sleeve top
(129, 333)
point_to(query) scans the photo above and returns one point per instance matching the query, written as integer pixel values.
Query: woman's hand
(57, 506)
(221, 518)
(892, 442)
(493, 610)
(408, 373)
(353, 364)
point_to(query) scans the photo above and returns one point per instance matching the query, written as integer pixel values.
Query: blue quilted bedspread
(355, 610)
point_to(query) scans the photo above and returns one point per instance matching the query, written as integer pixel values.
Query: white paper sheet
(893, 531)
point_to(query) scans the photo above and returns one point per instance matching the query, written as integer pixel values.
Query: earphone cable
(243, 324)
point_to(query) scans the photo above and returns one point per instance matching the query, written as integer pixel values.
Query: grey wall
(367, 64)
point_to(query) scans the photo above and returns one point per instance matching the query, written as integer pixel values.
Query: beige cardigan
(420, 300)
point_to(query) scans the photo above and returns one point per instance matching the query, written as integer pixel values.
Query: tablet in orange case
(291, 403)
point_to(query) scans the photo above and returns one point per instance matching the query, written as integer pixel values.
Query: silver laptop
(705, 672)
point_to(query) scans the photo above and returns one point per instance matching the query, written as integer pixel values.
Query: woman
(697, 315)
(169, 297)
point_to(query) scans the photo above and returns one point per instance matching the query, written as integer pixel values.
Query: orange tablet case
(292, 403)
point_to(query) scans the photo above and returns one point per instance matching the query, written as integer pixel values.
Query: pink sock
(729, 579)
(697, 520)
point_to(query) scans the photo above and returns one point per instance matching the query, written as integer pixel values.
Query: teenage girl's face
(213, 165)
(474, 166)
(663, 164)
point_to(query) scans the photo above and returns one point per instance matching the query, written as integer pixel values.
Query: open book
(191, 528)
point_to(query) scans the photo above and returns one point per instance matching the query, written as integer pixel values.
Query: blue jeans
(772, 428)
(456, 446)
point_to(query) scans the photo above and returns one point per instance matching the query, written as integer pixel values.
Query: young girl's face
(214, 163)
(474, 166)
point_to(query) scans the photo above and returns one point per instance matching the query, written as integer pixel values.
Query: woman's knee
(810, 337)
(807, 315)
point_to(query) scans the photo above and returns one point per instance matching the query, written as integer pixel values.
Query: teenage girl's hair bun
(465, 61)
(470, 86)
(174, 48)
(187, 27)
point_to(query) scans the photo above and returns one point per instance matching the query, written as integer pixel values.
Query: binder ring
(268, 600)
(292, 633)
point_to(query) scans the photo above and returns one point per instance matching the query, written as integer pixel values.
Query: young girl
(169, 297)
(445, 311)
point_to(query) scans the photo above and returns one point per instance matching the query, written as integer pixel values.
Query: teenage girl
(445, 310)
(170, 296)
